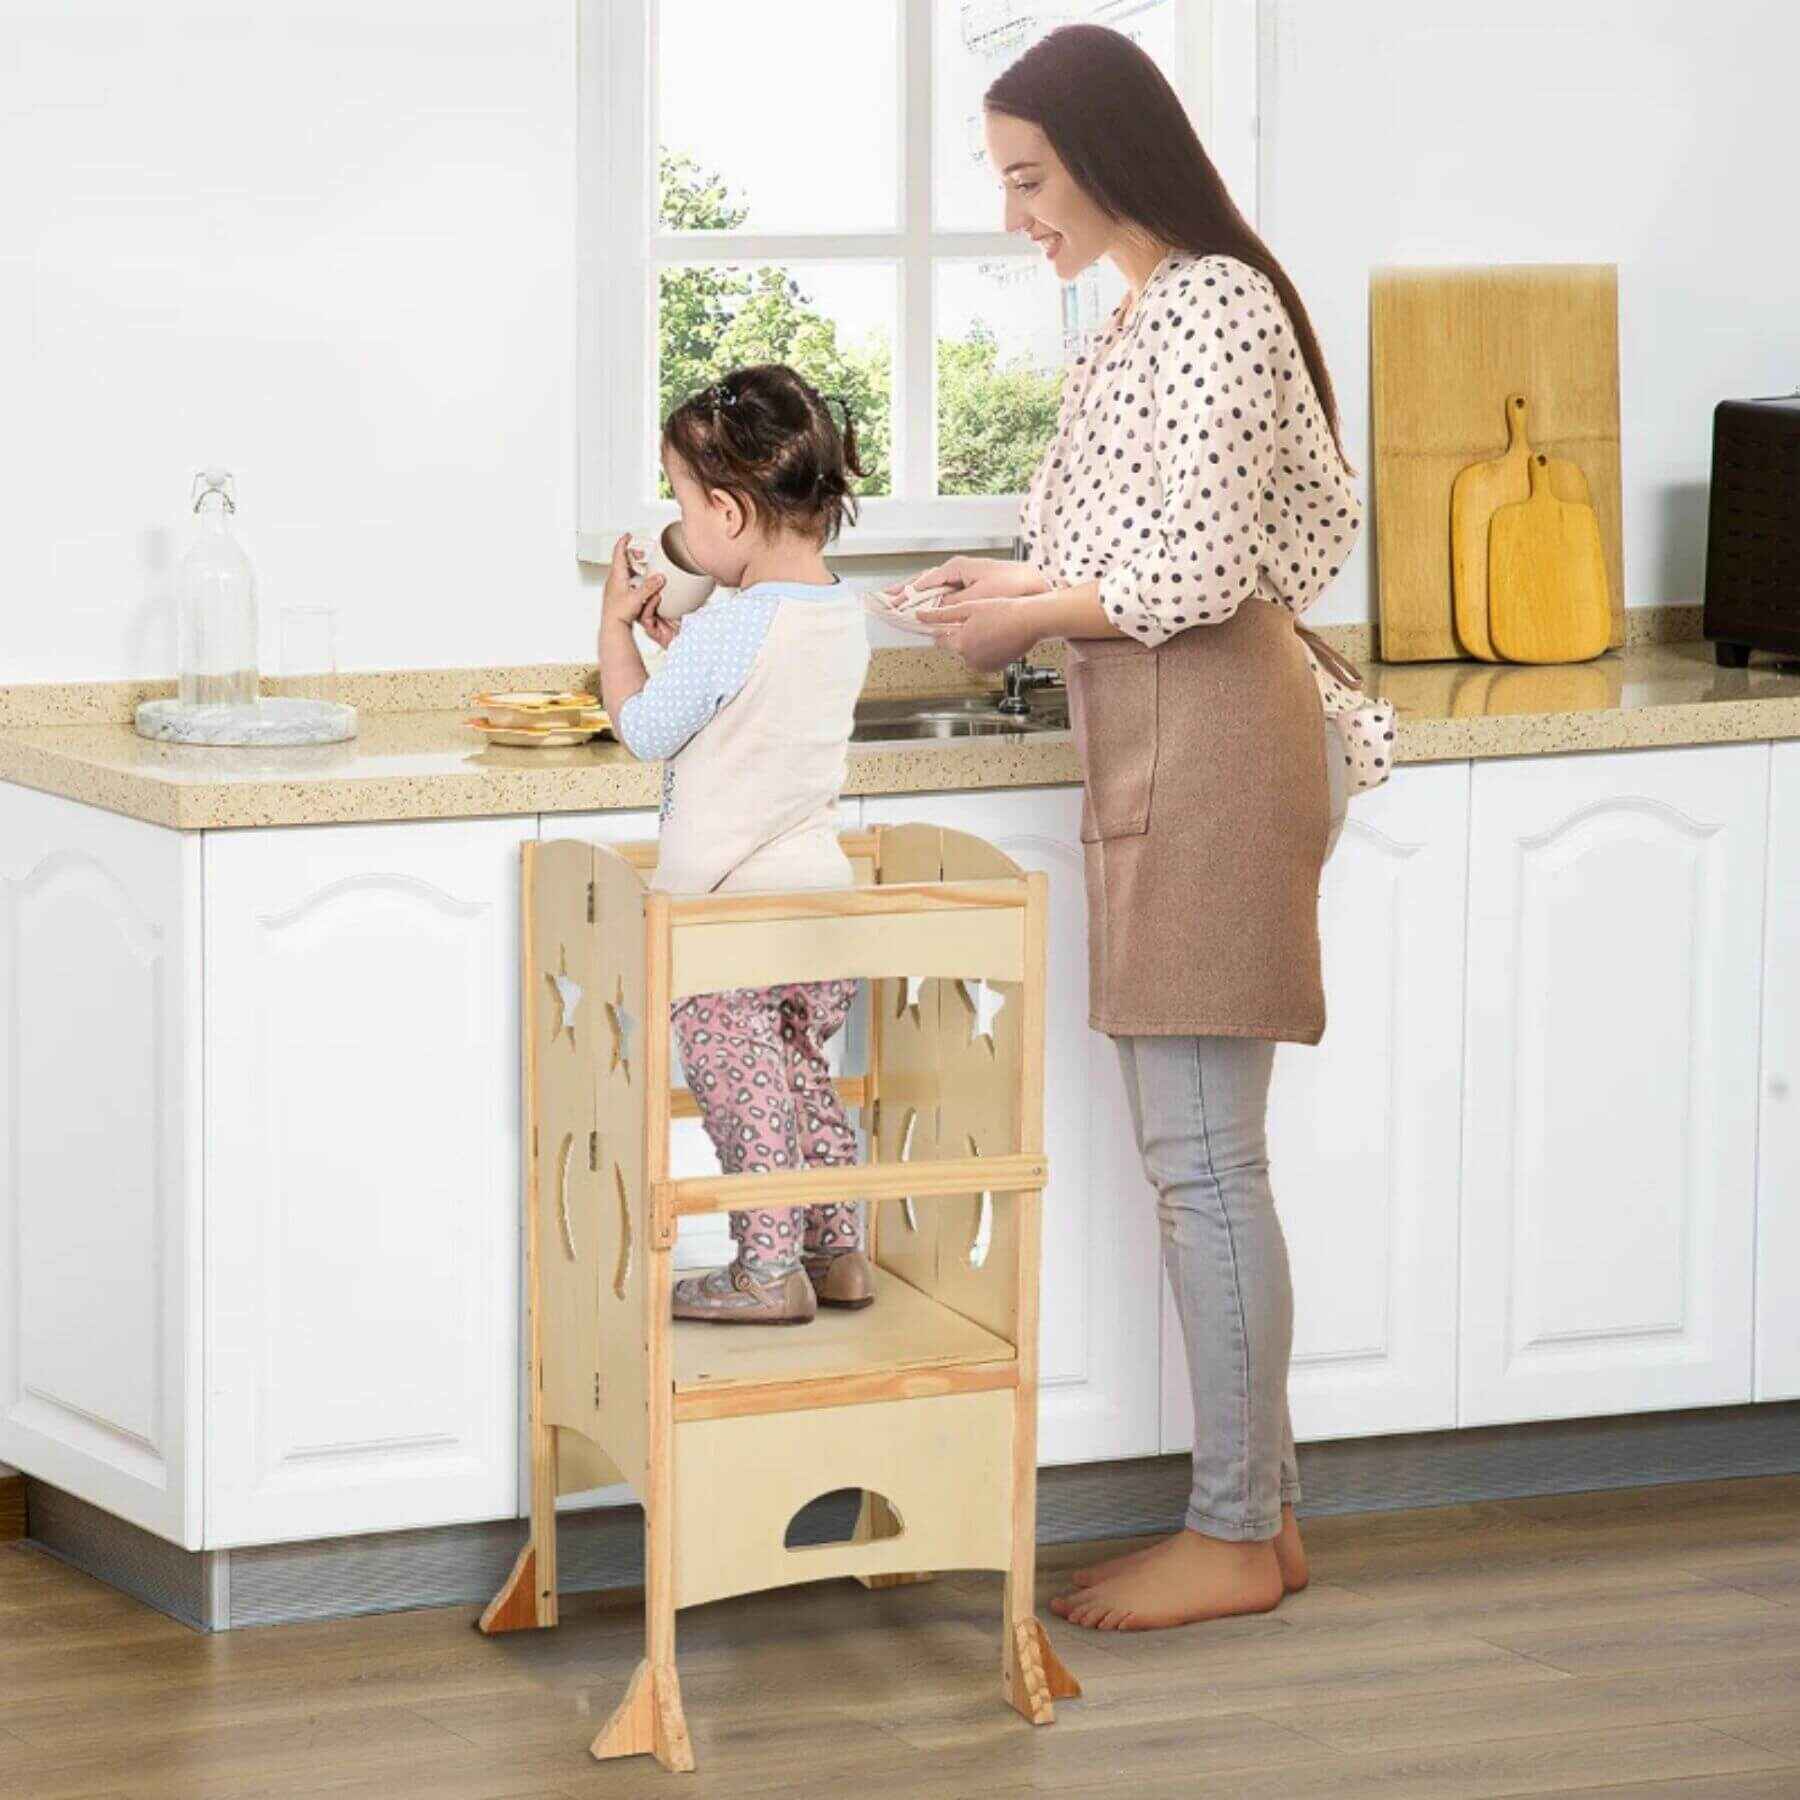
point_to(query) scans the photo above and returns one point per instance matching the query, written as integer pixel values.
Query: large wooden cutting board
(1446, 346)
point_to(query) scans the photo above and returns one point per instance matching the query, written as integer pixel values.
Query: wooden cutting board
(1477, 494)
(1547, 589)
(1446, 348)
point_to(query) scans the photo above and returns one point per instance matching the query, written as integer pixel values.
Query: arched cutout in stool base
(882, 1516)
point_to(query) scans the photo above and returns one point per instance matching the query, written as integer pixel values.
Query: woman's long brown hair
(1122, 133)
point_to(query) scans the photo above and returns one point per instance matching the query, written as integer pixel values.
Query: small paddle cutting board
(1478, 493)
(1547, 592)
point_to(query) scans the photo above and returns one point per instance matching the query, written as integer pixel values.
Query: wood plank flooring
(12, 1505)
(1644, 1643)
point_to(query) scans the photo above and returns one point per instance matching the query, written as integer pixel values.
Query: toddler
(750, 714)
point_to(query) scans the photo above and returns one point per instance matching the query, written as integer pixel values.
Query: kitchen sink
(954, 716)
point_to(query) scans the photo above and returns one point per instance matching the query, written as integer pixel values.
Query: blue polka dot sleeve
(707, 664)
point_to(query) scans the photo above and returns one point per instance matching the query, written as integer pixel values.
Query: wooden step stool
(926, 1401)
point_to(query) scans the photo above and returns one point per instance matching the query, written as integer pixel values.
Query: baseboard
(459, 1565)
(12, 1504)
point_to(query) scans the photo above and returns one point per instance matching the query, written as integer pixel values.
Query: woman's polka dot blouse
(1193, 468)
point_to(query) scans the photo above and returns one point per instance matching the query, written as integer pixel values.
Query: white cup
(685, 587)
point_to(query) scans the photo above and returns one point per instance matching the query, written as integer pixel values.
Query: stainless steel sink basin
(954, 716)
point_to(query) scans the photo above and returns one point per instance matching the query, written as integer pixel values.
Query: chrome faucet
(1022, 677)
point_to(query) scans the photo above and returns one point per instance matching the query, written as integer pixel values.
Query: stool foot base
(519, 1606)
(1035, 1675)
(649, 1721)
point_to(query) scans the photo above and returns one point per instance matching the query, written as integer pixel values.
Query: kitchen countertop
(424, 764)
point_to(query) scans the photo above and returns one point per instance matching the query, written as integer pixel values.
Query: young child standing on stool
(750, 714)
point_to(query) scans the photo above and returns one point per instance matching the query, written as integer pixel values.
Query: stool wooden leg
(527, 1600)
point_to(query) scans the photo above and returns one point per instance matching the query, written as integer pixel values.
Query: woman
(1195, 500)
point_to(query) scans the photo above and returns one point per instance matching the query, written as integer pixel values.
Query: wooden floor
(1644, 1643)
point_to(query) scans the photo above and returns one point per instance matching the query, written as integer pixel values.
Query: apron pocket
(1112, 707)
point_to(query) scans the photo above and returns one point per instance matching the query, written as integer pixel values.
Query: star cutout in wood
(568, 998)
(622, 1025)
(987, 1002)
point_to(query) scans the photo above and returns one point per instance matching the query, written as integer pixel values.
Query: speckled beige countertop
(415, 759)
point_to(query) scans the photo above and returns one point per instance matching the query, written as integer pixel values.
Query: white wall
(1657, 134)
(331, 245)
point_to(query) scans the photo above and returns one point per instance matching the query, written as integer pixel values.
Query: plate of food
(539, 721)
(902, 605)
(530, 711)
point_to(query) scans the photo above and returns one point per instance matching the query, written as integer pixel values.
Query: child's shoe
(733, 1296)
(840, 1277)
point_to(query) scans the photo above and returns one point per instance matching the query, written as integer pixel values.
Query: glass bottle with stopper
(216, 597)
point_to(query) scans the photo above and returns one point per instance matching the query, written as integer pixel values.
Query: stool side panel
(562, 1013)
(622, 1039)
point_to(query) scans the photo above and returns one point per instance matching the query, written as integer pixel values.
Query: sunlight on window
(833, 321)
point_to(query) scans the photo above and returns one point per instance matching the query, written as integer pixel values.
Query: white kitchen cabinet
(1101, 1276)
(100, 1127)
(1610, 1103)
(1363, 1129)
(1778, 1171)
(362, 1180)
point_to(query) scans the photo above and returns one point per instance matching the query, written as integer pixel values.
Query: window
(806, 181)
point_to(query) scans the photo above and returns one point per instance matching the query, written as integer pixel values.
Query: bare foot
(1290, 1553)
(1114, 1565)
(1189, 1578)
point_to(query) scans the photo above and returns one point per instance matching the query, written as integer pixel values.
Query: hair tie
(721, 395)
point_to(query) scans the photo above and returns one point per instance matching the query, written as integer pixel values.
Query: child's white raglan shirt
(750, 714)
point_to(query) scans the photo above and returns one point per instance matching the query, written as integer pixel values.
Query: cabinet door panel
(1101, 1281)
(1363, 1138)
(1610, 1112)
(100, 1183)
(1778, 1172)
(363, 1181)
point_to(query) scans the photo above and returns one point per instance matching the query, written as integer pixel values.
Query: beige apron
(1204, 829)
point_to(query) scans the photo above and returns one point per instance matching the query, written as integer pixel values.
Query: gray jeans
(1199, 1107)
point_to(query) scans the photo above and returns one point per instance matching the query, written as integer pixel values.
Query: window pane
(973, 40)
(1006, 330)
(833, 321)
(778, 118)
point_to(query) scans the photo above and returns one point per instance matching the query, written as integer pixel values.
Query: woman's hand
(625, 598)
(986, 634)
(984, 578)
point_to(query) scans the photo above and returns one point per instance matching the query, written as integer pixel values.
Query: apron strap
(1347, 672)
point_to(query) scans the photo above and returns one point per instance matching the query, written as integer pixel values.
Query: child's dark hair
(765, 435)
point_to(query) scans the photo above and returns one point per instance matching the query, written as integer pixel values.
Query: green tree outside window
(994, 418)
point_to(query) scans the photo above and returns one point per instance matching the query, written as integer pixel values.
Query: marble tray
(266, 721)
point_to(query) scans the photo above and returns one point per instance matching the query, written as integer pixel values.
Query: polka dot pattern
(1193, 468)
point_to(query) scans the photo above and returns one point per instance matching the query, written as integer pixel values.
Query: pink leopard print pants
(755, 1062)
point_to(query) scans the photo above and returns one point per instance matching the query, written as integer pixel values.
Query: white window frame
(619, 250)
